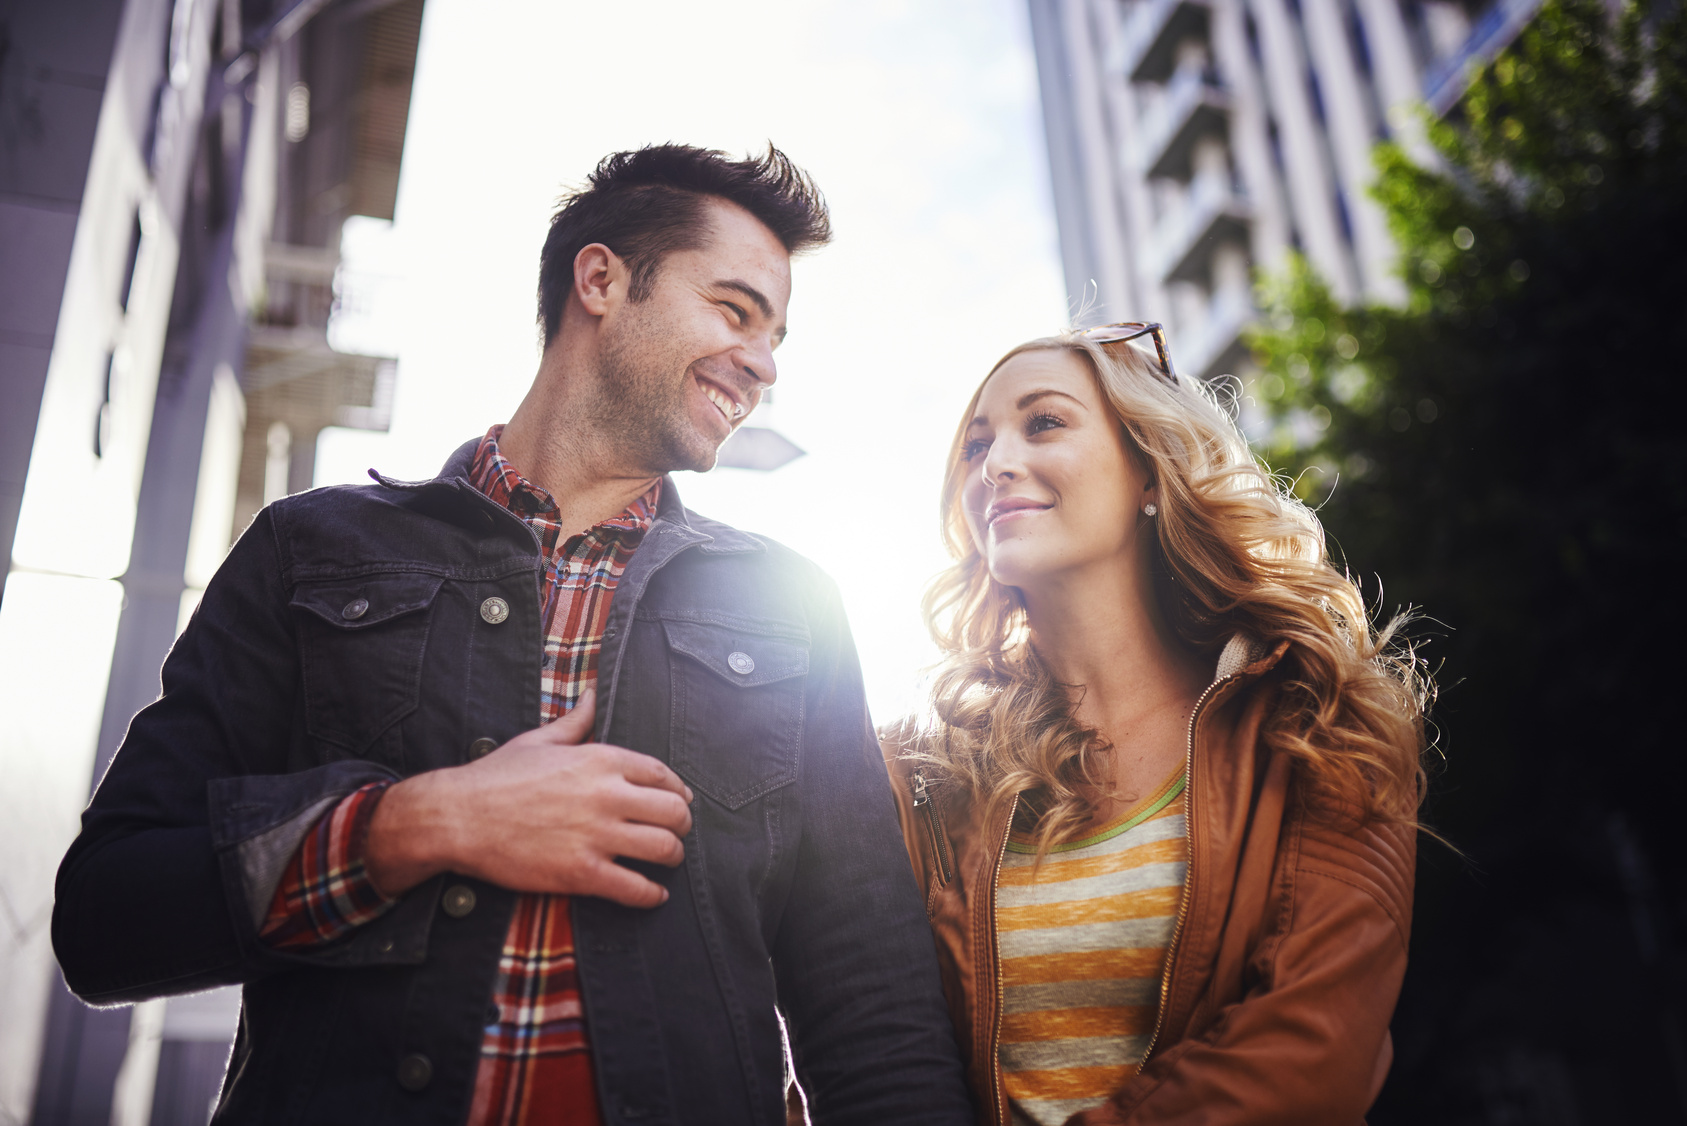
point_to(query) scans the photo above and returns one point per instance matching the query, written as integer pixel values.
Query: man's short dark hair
(646, 203)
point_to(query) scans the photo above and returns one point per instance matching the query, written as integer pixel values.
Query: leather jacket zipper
(939, 841)
(1189, 880)
(996, 953)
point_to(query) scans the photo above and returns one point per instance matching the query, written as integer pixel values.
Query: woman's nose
(1000, 464)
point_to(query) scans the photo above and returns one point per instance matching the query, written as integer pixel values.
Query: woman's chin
(1017, 568)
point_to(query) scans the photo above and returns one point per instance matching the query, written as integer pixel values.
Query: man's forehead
(737, 238)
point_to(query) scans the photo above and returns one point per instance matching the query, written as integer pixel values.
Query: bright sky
(920, 121)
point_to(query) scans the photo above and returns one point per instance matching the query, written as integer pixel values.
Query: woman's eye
(1036, 424)
(973, 448)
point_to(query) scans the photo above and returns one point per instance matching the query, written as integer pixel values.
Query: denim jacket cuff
(258, 823)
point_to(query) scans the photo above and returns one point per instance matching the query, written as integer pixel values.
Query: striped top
(1083, 944)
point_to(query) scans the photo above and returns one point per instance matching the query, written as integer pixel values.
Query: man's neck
(578, 467)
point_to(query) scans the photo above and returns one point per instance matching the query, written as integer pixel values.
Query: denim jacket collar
(713, 537)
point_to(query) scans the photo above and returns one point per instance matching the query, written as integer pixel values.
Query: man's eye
(738, 311)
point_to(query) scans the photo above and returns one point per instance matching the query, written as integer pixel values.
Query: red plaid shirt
(535, 1065)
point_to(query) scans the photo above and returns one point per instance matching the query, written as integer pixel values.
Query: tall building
(174, 177)
(1193, 141)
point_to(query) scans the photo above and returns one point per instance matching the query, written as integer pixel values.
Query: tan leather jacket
(1286, 960)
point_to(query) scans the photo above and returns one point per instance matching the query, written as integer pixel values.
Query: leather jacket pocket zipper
(934, 823)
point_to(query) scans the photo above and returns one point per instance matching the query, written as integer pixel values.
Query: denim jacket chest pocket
(361, 647)
(737, 707)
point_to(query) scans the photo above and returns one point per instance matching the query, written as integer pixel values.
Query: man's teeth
(723, 404)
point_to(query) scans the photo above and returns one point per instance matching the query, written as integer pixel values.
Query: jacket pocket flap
(740, 656)
(369, 601)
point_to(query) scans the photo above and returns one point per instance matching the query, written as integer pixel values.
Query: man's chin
(696, 453)
(705, 448)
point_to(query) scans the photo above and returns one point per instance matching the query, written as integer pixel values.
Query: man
(457, 883)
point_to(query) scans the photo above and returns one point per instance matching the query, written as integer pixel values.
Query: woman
(1163, 809)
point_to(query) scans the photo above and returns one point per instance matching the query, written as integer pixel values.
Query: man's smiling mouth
(723, 402)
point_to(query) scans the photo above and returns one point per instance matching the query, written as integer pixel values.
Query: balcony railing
(1151, 33)
(1211, 347)
(1194, 105)
(1214, 210)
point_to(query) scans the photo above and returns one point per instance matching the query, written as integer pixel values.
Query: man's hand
(543, 813)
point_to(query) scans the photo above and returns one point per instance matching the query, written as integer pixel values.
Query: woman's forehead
(1028, 372)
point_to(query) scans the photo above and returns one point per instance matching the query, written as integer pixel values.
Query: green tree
(1505, 452)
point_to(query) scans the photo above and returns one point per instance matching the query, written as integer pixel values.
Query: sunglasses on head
(1124, 331)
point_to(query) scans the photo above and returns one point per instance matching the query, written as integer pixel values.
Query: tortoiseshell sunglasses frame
(1122, 331)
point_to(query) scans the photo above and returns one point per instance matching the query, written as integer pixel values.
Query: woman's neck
(1102, 631)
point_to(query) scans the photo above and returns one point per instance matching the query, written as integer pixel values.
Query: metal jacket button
(415, 1072)
(741, 663)
(458, 901)
(494, 610)
(482, 747)
(355, 609)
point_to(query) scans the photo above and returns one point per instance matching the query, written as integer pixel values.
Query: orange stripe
(1154, 903)
(1091, 965)
(1069, 1024)
(1067, 1082)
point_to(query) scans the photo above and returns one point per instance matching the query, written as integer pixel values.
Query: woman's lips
(1008, 513)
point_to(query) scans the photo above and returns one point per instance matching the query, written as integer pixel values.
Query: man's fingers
(661, 808)
(576, 726)
(645, 842)
(623, 885)
(642, 770)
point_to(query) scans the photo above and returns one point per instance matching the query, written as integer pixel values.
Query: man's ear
(600, 278)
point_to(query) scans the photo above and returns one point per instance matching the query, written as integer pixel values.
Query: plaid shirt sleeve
(325, 892)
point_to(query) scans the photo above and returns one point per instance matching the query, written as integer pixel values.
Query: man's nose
(755, 360)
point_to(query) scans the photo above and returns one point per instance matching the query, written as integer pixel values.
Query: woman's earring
(1150, 510)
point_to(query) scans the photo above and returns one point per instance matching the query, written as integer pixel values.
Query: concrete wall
(145, 176)
(97, 134)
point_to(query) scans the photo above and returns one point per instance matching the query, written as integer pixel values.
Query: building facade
(1193, 142)
(174, 176)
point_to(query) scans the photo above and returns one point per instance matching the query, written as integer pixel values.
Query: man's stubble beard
(642, 411)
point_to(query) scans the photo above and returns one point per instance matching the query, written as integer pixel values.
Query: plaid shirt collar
(493, 474)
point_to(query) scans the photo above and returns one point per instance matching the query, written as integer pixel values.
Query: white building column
(1399, 87)
(1250, 145)
(1350, 143)
(1305, 165)
(1112, 280)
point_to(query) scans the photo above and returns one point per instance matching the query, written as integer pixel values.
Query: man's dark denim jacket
(795, 887)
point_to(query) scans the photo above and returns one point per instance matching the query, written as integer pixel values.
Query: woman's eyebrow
(1032, 396)
(1026, 400)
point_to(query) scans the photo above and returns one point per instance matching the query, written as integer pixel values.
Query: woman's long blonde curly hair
(1235, 552)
